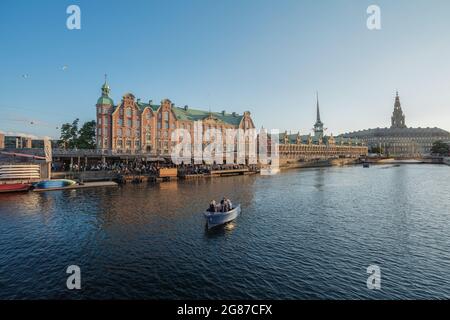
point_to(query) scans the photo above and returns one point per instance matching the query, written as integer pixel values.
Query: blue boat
(214, 219)
(52, 184)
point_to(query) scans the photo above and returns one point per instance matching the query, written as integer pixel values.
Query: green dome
(105, 100)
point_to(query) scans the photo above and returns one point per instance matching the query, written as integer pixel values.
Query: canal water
(303, 234)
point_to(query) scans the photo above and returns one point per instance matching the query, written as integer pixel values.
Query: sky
(266, 56)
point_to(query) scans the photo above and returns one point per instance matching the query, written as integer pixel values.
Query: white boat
(214, 219)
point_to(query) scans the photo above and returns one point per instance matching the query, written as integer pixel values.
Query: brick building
(132, 126)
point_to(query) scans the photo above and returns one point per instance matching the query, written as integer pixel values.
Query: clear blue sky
(265, 56)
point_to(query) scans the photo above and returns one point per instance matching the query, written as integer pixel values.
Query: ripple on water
(302, 234)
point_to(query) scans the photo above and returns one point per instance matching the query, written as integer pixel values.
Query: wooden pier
(229, 172)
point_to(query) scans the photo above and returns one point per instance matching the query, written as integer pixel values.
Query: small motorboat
(365, 165)
(54, 184)
(214, 219)
(14, 187)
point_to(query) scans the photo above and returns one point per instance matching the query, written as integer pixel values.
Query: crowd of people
(138, 167)
(225, 205)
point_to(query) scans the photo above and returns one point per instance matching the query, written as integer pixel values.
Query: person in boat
(212, 206)
(229, 204)
(223, 205)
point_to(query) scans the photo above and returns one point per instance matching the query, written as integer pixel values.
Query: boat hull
(15, 187)
(214, 219)
(51, 184)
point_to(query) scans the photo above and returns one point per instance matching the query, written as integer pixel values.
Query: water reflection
(302, 234)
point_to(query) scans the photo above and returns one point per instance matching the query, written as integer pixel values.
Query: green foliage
(74, 138)
(86, 136)
(440, 148)
(376, 150)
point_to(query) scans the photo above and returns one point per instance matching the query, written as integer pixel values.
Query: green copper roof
(142, 106)
(105, 100)
(195, 115)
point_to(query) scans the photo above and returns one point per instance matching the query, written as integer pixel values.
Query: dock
(81, 186)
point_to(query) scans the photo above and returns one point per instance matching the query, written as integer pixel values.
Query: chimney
(234, 114)
(186, 107)
(223, 112)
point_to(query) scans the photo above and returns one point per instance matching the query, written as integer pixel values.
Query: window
(120, 122)
(137, 124)
(119, 132)
(165, 116)
(137, 132)
(128, 132)
(159, 115)
(148, 115)
(99, 132)
(166, 125)
(119, 143)
(159, 125)
(137, 143)
(121, 111)
(128, 112)
(105, 131)
(99, 120)
(148, 137)
(129, 123)
(128, 143)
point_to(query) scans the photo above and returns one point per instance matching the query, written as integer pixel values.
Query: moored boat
(14, 187)
(54, 184)
(214, 219)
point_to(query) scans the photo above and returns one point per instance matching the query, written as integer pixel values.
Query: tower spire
(317, 106)
(105, 87)
(318, 126)
(398, 117)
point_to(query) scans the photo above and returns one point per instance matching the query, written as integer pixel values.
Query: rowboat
(14, 187)
(54, 184)
(214, 219)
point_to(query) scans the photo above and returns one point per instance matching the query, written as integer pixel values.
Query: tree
(376, 150)
(440, 148)
(86, 136)
(83, 138)
(69, 134)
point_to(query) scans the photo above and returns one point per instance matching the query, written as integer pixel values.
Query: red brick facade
(135, 127)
